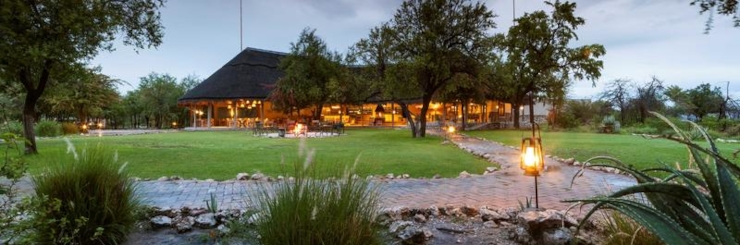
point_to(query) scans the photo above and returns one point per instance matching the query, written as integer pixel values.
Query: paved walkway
(504, 188)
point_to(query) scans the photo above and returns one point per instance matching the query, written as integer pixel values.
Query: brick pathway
(504, 188)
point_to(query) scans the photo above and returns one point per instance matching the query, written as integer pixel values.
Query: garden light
(532, 159)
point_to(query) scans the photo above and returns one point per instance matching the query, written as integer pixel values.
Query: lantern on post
(532, 159)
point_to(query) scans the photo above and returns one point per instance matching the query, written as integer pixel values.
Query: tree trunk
(317, 112)
(464, 106)
(28, 120)
(407, 114)
(515, 113)
(426, 99)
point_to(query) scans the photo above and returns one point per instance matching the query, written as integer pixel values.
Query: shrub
(48, 129)
(13, 127)
(309, 210)
(89, 199)
(694, 206)
(618, 229)
(70, 128)
(12, 169)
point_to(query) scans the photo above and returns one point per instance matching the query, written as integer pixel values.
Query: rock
(210, 180)
(491, 169)
(254, 218)
(223, 229)
(436, 176)
(291, 178)
(464, 174)
(433, 211)
(205, 221)
(490, 215)
(160, 221)
(389, 176)
(396, 213)
(184, 224)
(415, 235)
(420, 218)
(537, 222)
(175, 177)
(135, 179)
(242, 176)
(258, 176)
(469, 211)
(280, 178)
(370, 177)
(558, 236)
(399, 225)
(405, 176)
(196, 212)
(521, 235)
(490, 224)
(576, 163)
(163, 178)
(569, 161)
(451, 228)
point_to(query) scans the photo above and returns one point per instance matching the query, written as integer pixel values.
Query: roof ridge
(266, 51)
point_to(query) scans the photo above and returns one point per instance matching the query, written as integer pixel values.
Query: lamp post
(532, 158)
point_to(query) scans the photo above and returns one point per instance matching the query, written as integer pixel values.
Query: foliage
(721, 7)
(309, 70)
(692, 206)
(47, 40)
(649, 97)
(310, 210)
(157, 97)
(70, 128)
(12, 169)
(436, 40)
(704, 100)
(578, 112)
(47, 128)
(89, 197)
(84, 95)
(618, 93)
(537, 56)
(618, 229)
(13, 127)
(527, 204)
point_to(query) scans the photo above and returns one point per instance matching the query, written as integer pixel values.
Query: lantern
(532, 159)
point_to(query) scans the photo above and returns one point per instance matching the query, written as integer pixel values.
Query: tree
(158, 94)
(86, 94)
(437, 39)
(649, 97)
(704, 100)
(41, 39)
(721, 7)
(680, 99)
(617, 92)
(537, 53)
(308, 69)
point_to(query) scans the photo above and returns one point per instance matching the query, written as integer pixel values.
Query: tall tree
(537, 52)
(618, 93)
(705, 100)
(84, 95)
(437, 39)
(159, 93)
(41, 39)
(308, 69)
(649, 97)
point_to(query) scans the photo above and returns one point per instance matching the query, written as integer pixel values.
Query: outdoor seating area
(292, 129)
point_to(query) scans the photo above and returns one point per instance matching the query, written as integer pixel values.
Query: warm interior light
(450, 129)
(100, 125)
(84, 126)
(298, 128)
(529, 157)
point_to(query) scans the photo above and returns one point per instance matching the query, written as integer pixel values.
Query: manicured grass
(221, 155)
(635, 150)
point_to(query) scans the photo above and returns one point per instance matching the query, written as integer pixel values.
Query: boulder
(420, 218)
(491, 215)
(160, 221)
(464, 174)
(184, 224)
(415, 235)
(205, 221)
(538, 221)
(258, 176)
(242, 176)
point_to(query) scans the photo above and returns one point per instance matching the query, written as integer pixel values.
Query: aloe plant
(683, 206)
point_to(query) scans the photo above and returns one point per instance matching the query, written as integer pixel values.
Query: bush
(13, 127)
(88, 199)
(46, 128)
(618, 229)
(309, 210)
(70, 128)
(693, 206)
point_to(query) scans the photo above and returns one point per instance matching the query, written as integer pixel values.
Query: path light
(174, 124)
(532, 158)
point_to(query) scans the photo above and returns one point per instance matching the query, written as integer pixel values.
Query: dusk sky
(642, 38)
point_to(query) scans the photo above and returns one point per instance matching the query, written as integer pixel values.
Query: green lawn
(221, 155)
(635, 150)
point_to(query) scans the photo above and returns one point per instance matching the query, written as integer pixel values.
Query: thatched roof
(246, 76)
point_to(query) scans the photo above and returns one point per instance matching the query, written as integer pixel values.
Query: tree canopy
(42, 39)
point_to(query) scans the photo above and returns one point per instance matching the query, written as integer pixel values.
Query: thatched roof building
(246, 76)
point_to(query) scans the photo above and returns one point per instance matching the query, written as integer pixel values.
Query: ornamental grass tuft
(312, 210)
(88, 198)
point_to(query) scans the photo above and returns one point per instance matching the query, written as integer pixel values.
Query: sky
(643, 39)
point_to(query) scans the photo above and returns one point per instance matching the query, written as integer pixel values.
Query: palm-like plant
(694, 206)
